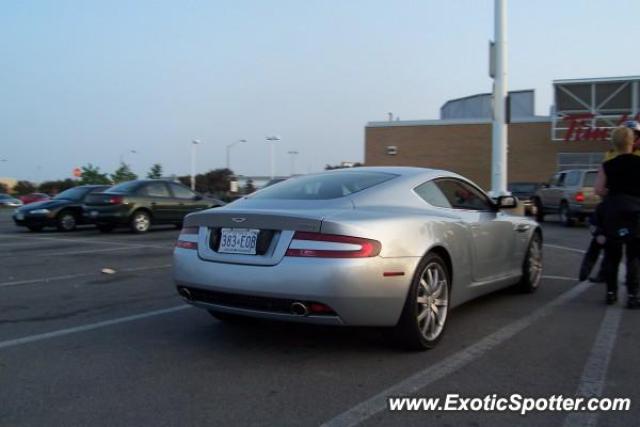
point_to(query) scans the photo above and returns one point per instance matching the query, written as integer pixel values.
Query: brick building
(538, 146)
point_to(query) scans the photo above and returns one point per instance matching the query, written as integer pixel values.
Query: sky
(89, 81)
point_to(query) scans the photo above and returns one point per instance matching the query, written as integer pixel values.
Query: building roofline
(449, 122)
(478, 95)
(597, 79)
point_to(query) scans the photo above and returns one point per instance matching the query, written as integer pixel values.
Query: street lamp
(194, 143)
(293, 154)
(272, 166)
(240, 141)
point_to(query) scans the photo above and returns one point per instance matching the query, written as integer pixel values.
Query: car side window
(182, 192)
(572, 179)
(560, 180)
(464, 196)
(430, 193)
(156, 189)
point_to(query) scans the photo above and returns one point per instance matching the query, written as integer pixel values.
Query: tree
(215, 181)
(249, 187)
(155, 172)
(91, 175)
(3, 188)
(123, 173)
(24, 187)
(55, 187)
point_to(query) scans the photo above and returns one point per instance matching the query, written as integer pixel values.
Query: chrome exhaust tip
(299, 309)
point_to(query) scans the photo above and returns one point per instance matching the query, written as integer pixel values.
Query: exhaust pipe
(299, 309)
(186, 293)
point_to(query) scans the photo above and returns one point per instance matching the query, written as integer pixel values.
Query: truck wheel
(565, 214)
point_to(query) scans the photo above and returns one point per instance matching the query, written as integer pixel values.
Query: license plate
(20, 216)
(93, 214)
(238, 241)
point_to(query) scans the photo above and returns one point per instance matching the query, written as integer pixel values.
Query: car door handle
(522, 227)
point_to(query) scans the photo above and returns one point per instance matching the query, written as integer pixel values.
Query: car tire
(140, 222)
(532, 266)
(423, 319)
(565, 214)
(66, 221)
(35, 228)
(539, 212)
(106, 228)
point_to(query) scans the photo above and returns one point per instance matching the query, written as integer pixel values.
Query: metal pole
(500, 90)
(228, 156)
(193, 163)
(271, 160)
(293, 155)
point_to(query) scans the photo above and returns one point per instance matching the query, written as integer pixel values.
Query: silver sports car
(374, 246)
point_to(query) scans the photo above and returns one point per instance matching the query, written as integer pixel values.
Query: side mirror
(197, 197)
(507, 202)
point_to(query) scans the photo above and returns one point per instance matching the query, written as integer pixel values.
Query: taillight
(305, 244)
(184, 239)
(116, 200)
(580, 196)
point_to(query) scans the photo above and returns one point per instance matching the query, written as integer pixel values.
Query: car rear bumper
(355, 289)
(583, 210)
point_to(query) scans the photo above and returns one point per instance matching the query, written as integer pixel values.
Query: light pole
(272, 165)
(194, 143)
(499, 127)
(293, 154)
(240, 141)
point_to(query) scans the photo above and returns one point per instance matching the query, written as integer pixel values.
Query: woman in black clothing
(619, 180)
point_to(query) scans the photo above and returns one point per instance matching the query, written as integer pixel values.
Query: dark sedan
(64, 211)
(141, 203)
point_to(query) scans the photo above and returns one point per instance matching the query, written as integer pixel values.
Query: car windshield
(5, 196)
(590, 179)
(323, 186)
(522, 188)
(72, 194)
(125, 187)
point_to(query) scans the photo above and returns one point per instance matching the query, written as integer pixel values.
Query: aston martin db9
(371, 246)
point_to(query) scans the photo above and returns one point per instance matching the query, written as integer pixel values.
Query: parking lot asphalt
(80, 347)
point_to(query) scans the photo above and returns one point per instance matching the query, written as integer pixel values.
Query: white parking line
(451, 364)
(595, 370)
(565, 248)
(88, 251)
(84, 241)
(570, 279)
(91, 326)
(75, 276)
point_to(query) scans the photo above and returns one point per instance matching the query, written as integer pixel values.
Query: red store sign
(580, 129)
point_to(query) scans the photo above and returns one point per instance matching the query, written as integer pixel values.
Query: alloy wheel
(535, 262)
(432, 301)
(141, 222)
(68, 222)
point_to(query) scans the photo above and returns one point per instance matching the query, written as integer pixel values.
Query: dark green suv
(139, 204)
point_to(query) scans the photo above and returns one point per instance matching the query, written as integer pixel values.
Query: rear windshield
(323, 186)
(590, 179)
(125, 187)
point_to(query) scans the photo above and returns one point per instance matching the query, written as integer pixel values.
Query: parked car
(570, 194)
(64, 211)
(7, 201)
(141, 203)
(524, 191)
(34, 197)
(372, 246)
